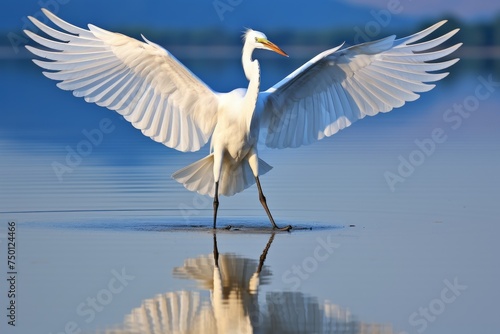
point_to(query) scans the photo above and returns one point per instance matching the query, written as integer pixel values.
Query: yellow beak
(273, 47)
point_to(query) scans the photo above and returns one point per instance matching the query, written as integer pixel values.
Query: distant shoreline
(233, 52)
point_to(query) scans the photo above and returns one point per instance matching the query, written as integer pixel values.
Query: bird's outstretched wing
(338, 87)
(141, 81)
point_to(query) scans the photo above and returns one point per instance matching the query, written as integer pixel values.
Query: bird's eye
(256, 39)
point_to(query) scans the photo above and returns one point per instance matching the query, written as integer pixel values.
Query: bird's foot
(228, 227)
(286, 228)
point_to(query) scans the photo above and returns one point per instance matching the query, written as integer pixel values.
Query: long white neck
(252, 72)
(248, 62)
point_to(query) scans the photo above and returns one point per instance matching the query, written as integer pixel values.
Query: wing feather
(340, 86)
(140, 80)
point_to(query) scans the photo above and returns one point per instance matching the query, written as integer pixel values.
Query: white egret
(158, 95)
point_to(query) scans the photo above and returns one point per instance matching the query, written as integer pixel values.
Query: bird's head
(259, 41)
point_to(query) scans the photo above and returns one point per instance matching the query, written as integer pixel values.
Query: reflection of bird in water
(233, 305)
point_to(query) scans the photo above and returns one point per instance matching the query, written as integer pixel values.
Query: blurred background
(185, 26)
(440, 222)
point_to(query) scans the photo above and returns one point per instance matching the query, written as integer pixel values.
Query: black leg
(216, 251)
(262, 199)
(264, 254)
(216, 201)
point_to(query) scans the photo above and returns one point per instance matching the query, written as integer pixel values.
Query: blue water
(43, 128)
(436, 221)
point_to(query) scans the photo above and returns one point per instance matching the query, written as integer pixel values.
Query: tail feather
(199, 176)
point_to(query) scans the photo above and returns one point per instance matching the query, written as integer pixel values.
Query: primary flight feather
(158, 95)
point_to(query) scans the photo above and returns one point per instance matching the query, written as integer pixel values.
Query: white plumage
(141, 81)
(158, 95)
(338, 87)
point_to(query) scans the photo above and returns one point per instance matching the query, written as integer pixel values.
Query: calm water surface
(404, 222)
